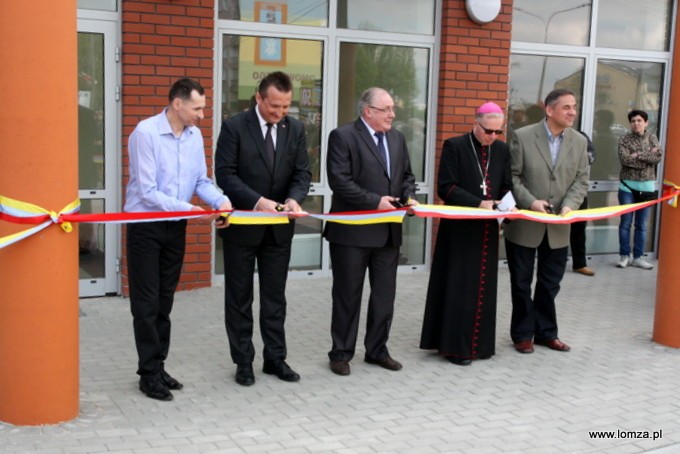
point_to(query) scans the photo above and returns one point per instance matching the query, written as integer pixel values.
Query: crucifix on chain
(483, 186)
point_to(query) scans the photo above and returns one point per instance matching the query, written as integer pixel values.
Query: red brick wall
(164, 40)
(167, 39)
(474, 68)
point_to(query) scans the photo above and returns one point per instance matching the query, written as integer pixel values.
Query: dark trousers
(349, 271)
(272, 268)
(155, 253)
(534, 318)
(577, 241)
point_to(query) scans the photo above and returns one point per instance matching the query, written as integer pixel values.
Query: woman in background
(639, 153)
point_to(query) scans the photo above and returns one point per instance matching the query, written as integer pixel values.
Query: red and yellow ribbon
(25, 213)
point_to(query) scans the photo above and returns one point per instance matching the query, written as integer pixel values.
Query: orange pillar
(38, 164)
(667, 312)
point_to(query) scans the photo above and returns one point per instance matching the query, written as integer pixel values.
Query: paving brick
(614, 378)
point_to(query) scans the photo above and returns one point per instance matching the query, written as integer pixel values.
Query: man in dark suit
(368, 169)
(262, 165)
(549, 174)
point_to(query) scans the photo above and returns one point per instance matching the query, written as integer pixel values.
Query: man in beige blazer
(549, 174)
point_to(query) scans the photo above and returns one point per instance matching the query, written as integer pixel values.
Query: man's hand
(487, 204)
(292, 205)
(541, 206)
(265, 204)
(203, 219)
(386, 203)
(223, 221)
(410, 203)
(564, 211)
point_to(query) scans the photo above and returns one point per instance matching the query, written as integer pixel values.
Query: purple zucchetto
(489, 108)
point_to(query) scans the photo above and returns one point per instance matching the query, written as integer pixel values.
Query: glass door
(98, 181)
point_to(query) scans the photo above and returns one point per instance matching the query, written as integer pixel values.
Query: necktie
(381, 149)
(269, 144)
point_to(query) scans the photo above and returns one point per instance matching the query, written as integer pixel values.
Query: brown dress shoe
(525, 346)
(340, 367)
(555, 344)
(585, 271)
(386, 363)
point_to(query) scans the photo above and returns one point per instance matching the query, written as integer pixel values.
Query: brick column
(667, 311)
(39, 155)
(164, 40)
(474, 67)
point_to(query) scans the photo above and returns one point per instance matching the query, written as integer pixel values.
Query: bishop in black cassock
(460, 311)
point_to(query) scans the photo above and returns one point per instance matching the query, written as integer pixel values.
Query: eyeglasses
(385, 109)
(488, 132)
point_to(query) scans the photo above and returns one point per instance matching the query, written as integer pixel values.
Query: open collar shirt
(166, 170)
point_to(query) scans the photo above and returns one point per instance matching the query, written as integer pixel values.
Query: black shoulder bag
(642, 196)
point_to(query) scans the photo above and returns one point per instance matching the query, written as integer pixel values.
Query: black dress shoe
(280, 369)
(459, 361)
(386, 363)
(153, 387)
(245, 375)
(170, 382)
(340, 367)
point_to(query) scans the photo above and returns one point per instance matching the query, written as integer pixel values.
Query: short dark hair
(556, 94)
(182, 89)
(278, 79)
(638, 113)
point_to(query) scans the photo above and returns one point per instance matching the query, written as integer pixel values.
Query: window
(558, 44)
(401, 16)
(550, 22)
(298, 12)
(532, 77)
(101, 5)
(634, 24)
(385, 43)
(400, 70)
(620, 87)
(247, 59)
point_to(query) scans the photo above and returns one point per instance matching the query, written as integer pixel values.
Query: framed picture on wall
(268, 50)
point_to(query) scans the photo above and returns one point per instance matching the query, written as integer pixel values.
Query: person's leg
(640, 235)
(521, 266)
(272, 270)
(143, 252)
(577, 241)
(382, 274)
(625, 198)
(349, 271)
(551, 266)
(239, 266)
(171, 259)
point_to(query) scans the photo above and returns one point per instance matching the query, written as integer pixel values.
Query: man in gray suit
(368, 169)
(549, 175)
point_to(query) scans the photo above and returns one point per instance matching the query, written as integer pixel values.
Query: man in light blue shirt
(167, 166)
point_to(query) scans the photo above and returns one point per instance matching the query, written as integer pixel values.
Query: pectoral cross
(483, 186)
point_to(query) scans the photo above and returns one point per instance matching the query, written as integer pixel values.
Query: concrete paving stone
(614, 376)
(166, 442)
(86, 448)
(154, 450)
(360, 450)
(126, 445)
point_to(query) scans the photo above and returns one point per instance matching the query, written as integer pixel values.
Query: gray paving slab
(614, 379)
